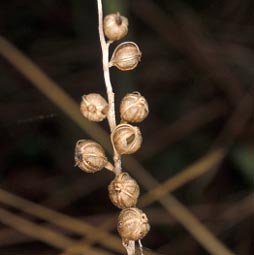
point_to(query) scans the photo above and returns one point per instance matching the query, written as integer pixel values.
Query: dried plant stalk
(111, 97)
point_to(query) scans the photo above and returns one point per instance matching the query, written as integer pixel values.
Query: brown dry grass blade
(62, 220)
(31, 229)
(193, 171)
(184, 126)
(52, 91)
(41, 233)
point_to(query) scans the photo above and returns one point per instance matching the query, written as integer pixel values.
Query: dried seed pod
(90, 156)
(126, 138)
(123, 191)
(94, 107)
(126, 56)
(132, 224)
(134, 107)
(115, 26)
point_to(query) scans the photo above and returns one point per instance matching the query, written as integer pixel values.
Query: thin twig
(111, 96)
(130, 248)
(105, 56)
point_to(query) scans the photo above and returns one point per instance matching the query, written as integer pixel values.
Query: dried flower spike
(94, 107)
(132, 224)
(115, 26)
(123, 191)
(126, 138)
(90, 156)
(134, 107)
(126, 56)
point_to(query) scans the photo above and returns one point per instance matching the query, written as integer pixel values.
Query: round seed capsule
(115, 26)
(126, 138)
(132, 224)
(123, 191)
(134, 107)
(126, 56)
(94, 107)
(90, 156)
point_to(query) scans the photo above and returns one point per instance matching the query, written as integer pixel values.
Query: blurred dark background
(197, 73)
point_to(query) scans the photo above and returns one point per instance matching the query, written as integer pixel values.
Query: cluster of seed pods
(125, 138)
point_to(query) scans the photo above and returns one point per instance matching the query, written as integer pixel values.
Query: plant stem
(110, 94)
(105, 56)
(130, 247)
(140, 247)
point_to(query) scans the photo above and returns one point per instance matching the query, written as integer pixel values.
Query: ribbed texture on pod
(94, 107)
(123, 191)
(89, 156)
(126, 138)
(132, 224)
(115, 26)
(126, 56)
(134, 107)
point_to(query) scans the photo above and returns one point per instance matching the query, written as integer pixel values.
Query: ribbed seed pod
(134, 107)
(123, 191)
(126, 138)
(126, 56)
(94, 107)
(115, 26)
(132, 224)
(90, 156)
